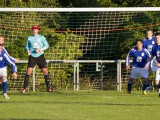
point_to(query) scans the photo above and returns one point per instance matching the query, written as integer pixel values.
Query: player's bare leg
(157, 81)
(0, 79)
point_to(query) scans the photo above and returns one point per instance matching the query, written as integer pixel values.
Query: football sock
(144, 86)
(130, 86)
(46, 77)
(148, 87)
(4, 87)
(26, 79)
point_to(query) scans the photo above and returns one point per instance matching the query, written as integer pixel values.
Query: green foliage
(29, 3)
(64, 47)
(61, 44)
(138, 29)
(79, 3)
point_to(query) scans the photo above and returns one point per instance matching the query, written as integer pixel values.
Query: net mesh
(77, 36)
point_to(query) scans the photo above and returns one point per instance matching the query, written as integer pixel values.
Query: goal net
(77, 34)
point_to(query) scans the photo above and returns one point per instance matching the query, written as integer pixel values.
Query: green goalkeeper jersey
(36, 42)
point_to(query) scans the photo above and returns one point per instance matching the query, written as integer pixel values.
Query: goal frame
(76, 62)
(114, 9)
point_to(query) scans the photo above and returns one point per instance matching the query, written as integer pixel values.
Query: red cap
(35, 27)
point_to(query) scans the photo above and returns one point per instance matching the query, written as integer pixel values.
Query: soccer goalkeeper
(35, 46)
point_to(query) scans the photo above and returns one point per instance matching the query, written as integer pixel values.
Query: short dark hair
(1, 36)
(150, 30)
(139, 40)
(157, 34)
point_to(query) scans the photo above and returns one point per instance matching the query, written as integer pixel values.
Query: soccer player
(156, 52)
(35, 46)
(11, 58)
(148, 43)
(4, 60)
(140, 58)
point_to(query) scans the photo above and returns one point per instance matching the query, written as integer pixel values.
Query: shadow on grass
(75, 103)
(30, 93)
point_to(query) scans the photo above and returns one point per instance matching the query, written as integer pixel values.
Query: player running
(4, 60)
(140, 58)
(35, 46)
(156, 52)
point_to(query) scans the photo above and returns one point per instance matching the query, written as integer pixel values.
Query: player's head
(35, 29)
(157, 35)
(1, 40)
(149, 33)
(139, 44)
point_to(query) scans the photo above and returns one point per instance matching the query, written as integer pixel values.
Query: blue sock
(144, 86)
(148, 87)
(130, 86)
(4, 87)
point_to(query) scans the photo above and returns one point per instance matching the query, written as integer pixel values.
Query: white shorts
(3, 71)
(157, 74)
(153, 64)
(136, 71)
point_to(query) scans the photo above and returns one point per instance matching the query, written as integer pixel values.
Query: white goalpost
(114, 9)
(86, 44)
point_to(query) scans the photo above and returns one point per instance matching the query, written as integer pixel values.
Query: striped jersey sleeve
(148, 53)
(11, 63)
(13, 59)
(128, 57)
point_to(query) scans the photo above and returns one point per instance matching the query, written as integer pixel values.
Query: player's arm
(13, 59)
(150, 59)
(27, 47)
(128, 60)
(45, 45)
(12, 64)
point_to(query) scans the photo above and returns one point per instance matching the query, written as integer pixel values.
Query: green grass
(80, 105)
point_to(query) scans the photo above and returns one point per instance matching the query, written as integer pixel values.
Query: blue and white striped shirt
(4, 60)
(13, 59)
(148, 44)
(156, 52)
(140, 58)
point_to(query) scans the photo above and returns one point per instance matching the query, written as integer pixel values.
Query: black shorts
(40, 61)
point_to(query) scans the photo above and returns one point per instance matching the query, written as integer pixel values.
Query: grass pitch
(80, 105)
